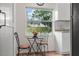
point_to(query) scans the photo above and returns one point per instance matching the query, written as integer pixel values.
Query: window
(39, 20)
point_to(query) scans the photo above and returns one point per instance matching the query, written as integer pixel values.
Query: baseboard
(61, 53)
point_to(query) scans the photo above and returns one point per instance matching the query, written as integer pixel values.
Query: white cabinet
(66, 43)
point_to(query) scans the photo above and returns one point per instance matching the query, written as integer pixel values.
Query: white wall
(6, 33)
(63, 11)
(63, 14)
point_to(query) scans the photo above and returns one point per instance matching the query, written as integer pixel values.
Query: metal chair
(44, 43)
(22, 46)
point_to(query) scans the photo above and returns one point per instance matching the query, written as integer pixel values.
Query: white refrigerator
(6, 32)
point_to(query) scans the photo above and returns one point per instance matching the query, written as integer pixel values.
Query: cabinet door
(75, 29)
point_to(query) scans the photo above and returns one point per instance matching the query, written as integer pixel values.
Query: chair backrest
(17, 38)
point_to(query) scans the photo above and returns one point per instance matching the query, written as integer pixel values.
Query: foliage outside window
(39, 20)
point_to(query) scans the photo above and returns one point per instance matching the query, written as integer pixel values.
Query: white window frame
(52, 19)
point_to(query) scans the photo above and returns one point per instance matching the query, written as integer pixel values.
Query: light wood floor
(44, 54)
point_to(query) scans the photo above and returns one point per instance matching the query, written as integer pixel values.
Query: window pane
(39, 14)
(41, 27)
(39, 20)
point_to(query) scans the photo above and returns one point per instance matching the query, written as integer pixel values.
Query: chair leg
(18, 51)
(29, 51)
(44, 50)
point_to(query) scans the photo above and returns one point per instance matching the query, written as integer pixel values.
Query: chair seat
(24, 46)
